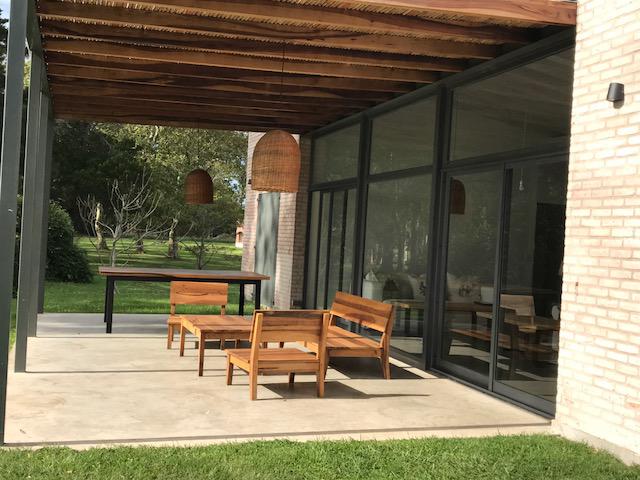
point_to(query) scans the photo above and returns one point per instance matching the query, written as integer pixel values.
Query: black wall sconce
(616, 93)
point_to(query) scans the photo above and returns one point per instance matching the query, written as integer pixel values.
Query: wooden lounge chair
(282, 326)
(194, 293)
(368, 313)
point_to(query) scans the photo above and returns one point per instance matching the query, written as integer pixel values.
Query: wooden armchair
(194, 293)
(371, 314)
(282, 326)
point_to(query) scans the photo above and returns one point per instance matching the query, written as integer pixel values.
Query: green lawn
(134, 297)
(509, 458)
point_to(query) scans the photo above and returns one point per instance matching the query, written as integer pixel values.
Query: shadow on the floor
(369, 369)
(334, 389)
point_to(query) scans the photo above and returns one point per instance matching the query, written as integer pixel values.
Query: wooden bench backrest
(289, 326)
(523, 305)
(363, 311)
(198, 293)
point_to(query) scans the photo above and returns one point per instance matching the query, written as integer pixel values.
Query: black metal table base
(111, 282)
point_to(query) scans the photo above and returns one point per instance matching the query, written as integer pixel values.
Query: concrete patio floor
(85, 388)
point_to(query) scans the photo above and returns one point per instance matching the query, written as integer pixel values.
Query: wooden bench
(194, 293)
(282, 326)
(367, 313)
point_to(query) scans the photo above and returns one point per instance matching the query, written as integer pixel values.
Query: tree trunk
(172, 245)
(100, 240)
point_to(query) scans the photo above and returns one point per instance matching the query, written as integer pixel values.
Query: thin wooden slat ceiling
(263, 64)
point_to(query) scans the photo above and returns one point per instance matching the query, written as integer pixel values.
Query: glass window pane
(322, 256)
(350, 223)
(524, 107)
(335, 155)
(335, 254)
(404, 138)
(471, 253)
(395, 261)
(532, 280)
(314, 220)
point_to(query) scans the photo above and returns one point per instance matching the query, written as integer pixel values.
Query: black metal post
(241, 299)
(108, 303)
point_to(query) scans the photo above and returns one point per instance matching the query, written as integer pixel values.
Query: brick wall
(599, 365)
(292, 227)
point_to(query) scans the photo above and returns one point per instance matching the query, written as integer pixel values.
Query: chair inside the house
(194, 293)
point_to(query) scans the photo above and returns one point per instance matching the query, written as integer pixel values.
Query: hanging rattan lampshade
(198, 188)
(276, 163)
(458, 199)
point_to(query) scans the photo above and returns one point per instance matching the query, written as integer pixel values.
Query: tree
(131, 216)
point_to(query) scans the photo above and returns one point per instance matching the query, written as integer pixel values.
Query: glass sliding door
(395, 254)
(331, 245)
(473, 222)
(531, 282)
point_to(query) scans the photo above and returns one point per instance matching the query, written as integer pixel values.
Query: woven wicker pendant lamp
(276, 163)
(198, 188)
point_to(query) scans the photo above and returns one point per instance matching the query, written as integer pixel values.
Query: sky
(4, 5)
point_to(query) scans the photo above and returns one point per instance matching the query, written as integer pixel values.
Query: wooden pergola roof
(263, 64)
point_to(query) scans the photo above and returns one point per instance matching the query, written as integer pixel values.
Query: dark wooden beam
(331, 18)
(544, 12)
(278, 33)
(223, 60)
(159, 95)
(144, 35)
(119, 89)
(228, 74)
(149, 107)
(238, 88)
(102, 117)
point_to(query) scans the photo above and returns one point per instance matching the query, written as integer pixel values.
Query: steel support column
(9, 172)
(35, 151)
(51, 131)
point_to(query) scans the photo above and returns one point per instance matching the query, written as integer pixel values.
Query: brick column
(599, 365)
(292, 229)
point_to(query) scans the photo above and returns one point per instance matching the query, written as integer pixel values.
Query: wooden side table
(213, 327)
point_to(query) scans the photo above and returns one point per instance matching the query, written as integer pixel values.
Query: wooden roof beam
(204, 96)
(238, 88)
(174, 55)
(314, 15)
(229, 74)
(542, 12)
(58, 28)
(49, 9)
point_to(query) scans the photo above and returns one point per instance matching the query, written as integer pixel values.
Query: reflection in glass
(521, 108)
(335, 155)
(312, 257)
(471, 253)
(532, 280)
(395, 260)
(404, 137)
(331, 244)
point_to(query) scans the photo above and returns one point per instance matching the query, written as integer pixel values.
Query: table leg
(256, 296)
(201, 338)
(108, 303)
(241, 300)
(182, 335)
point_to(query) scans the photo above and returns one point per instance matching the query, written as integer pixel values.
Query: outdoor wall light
(616, 93)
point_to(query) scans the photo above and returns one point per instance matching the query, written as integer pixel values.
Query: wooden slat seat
(282, 326)
(194, 293)
(377, 316)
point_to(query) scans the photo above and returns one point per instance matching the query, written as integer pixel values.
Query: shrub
(66, 262)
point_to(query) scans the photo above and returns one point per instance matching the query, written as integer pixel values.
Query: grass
(513, 458)
(134, 297)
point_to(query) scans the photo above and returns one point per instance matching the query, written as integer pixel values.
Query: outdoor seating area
(86, 387)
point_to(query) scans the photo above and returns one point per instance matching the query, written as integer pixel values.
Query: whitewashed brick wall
(599, 376)
(292, 227)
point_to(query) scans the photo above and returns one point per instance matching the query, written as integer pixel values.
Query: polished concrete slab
(84, 388)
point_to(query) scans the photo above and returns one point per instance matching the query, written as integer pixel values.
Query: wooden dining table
(140, 274)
